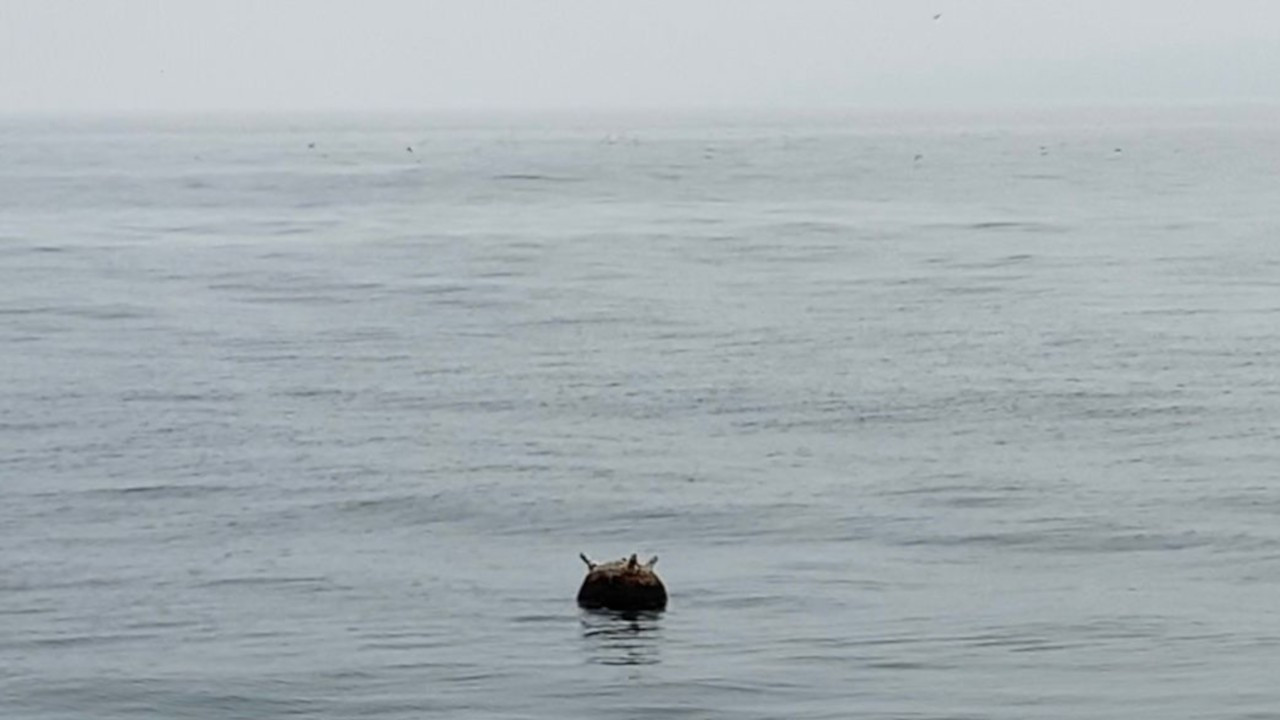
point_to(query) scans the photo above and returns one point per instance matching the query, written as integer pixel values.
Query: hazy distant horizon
(612, 120)
(395, 56)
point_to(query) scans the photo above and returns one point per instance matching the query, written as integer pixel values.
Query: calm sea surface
(927, 417)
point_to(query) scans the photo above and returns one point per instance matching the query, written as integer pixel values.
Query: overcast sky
(298, 55)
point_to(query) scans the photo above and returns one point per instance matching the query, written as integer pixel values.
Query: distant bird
(311, 146)
(408, 148)
(919, 157)
(938, 16)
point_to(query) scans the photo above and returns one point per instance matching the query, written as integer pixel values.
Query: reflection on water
(622, 638)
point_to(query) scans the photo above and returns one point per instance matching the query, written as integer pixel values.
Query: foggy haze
(389, 55)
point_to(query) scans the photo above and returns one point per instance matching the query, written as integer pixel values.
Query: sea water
(927, 416)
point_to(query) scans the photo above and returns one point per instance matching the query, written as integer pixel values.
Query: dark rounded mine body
(623, 584)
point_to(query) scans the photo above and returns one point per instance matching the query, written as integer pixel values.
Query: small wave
(534, 177)
(999, 225)
(314, 392)
(538, 618)
(268, 581)
(300, 299)
(1080, 540)
(43, 584)
(406, 642)
(155, 396)
(158, 492)
(807, 228)
(33, 426)
(1028, 226)
(104, 312)
(439, 289)
(70, 641)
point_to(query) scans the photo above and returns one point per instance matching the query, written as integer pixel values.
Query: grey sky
(295, 55)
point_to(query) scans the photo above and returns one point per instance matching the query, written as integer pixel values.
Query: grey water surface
(927, 417)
